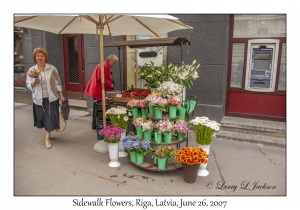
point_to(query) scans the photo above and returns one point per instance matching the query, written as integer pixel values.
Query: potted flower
(119, 118)
(173, 103)
(159, 104)
(143, 106)
(112, 136)
(142, 149)
(204, 129)
(180, 128)
(161, 155)
(186, 74)
(158, 129)
(137, 122)
(131, 144)
(170, 89)
(191, 159)
(133, 103)
(153, 76)
(147, 128)
(148, 100)
(166, 126)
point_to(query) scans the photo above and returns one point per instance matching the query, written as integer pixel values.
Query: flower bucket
(190, 172)
(157, 137)
(147, 135)
(158, 113)
(172, 111)
(151, 110)
(161, 163)
(180, 136)
(135, 112)
(139, 131)
(139, 158)
(133, 156)
(190, 106)
(113, 150)
(144, 113)
(168, 137)
(181, 112)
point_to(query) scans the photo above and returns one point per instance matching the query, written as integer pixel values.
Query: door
(74, 66)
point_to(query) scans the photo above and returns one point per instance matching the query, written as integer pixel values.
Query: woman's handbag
(62, 121)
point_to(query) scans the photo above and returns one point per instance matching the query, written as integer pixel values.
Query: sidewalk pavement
(72, 167)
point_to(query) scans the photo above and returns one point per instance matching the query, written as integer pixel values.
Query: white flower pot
(122, 152)
(202, 169)
(113, 150)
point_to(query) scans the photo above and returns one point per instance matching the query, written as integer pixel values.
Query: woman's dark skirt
(46, 116)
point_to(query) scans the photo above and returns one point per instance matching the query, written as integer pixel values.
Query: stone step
(252, 138)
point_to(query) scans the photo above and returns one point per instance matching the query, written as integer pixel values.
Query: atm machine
(261, 65)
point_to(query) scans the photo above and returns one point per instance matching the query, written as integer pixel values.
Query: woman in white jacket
(46, 93)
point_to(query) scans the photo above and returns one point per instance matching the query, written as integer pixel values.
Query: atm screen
(262, 64)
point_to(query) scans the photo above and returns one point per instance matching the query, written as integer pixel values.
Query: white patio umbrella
(112, 25)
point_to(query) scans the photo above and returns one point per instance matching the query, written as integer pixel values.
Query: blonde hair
(40, 50)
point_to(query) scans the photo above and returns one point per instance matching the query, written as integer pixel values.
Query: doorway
(74, 69)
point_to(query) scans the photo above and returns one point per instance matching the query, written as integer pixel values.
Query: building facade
(223, 44)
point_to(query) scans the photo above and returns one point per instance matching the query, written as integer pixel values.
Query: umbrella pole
(120, 69)
(102, 72)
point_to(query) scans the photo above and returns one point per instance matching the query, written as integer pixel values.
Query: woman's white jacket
(53, 85)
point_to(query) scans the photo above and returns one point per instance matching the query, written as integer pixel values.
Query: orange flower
(191, 155)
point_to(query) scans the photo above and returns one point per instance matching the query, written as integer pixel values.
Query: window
(253, 26)
(19, 74)
(282, 70)
(237, 65)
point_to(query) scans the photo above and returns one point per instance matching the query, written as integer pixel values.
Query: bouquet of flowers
(144, 147)
(138, 121)
(204, 129)
(164, 151)
(170, 89)
(159, 103)
(174, 101)
(111, 134)
(118, 116)
(181, 126)
(165, 126)
(131, 143)
(133, 102)
(185, 74)
(33, 73)
(191, 156)
(142, 104)
(147, 125)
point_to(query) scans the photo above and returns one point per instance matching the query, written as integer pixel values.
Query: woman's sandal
(48, 144)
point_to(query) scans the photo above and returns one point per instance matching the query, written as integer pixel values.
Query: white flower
(126, 118)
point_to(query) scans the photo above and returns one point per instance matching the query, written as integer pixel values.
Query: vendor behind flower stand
(93, 87)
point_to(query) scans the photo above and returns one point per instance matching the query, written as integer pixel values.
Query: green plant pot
(168, 137)
(135, 112)
(139, 158)
(158, 113)
(180, 136)
(147, 135)
(144, 113)
(133, 156)
(181, 112)
(172, 111)
(157, 137)
(161, 162)
(139, 131)
(151, 110)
